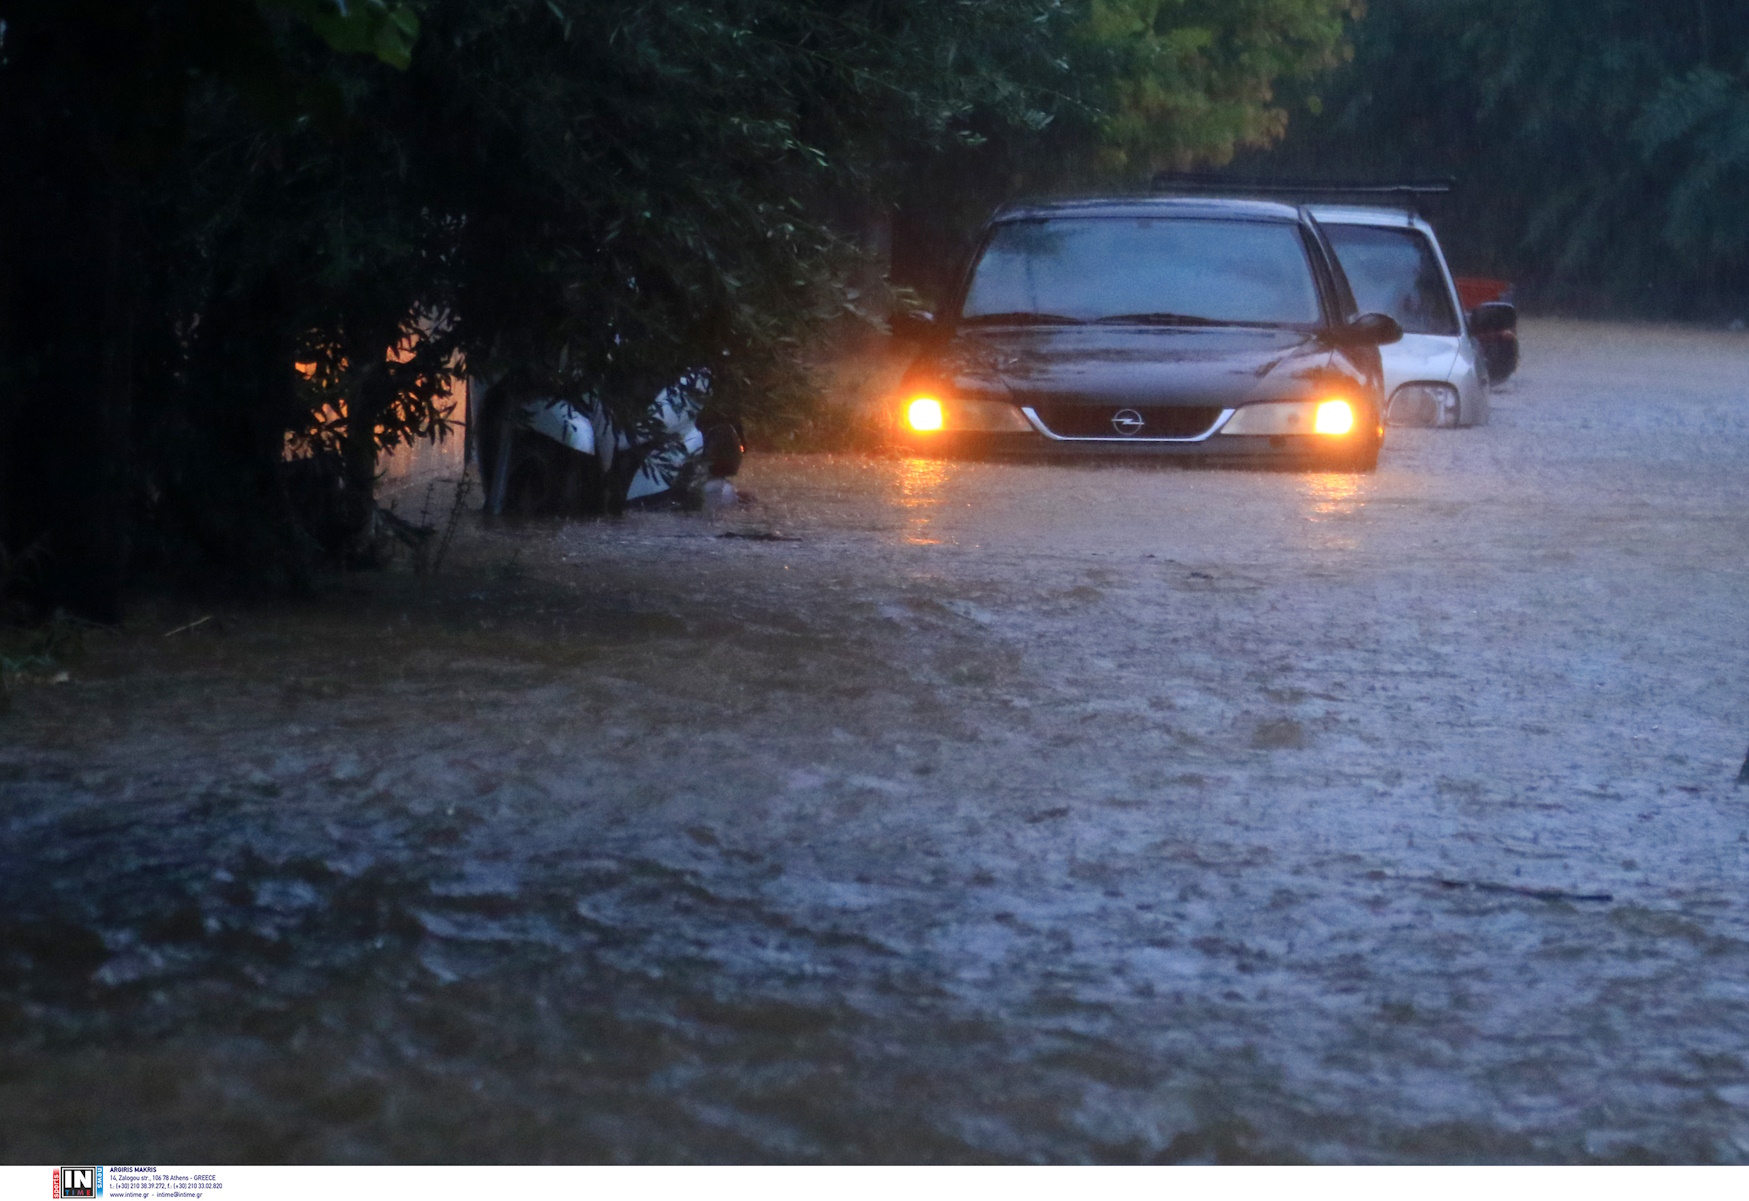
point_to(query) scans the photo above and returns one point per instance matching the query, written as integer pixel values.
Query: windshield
(1394, 271)
(1162, 270)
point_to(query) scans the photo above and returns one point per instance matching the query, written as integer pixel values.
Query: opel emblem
(1127, 422)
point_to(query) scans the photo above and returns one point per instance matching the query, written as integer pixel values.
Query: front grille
(1158, 421)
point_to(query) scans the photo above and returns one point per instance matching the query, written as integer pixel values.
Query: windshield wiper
(1020, 319)
(1161, 319)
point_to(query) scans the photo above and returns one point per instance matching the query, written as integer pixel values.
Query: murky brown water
(966, 811)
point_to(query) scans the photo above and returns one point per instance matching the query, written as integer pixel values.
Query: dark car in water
(1151, 326)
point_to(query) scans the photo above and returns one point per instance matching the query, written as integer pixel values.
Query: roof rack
(1409, 194)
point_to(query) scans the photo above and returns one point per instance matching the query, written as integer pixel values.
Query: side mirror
(911, 327)
(1368, 329)
(1495, 317)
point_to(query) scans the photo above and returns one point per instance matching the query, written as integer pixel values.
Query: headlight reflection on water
(1332, 497)
(1334, 494)
(920, 485)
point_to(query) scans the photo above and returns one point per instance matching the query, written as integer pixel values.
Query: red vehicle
(1499, 347)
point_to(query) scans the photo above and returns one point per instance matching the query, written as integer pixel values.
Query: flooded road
(941, 811)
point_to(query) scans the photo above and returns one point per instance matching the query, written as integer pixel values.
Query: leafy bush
(235, 228)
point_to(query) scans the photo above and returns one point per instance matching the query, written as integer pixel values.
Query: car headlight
(1332, 418)
(929, 413)
(1425, 404)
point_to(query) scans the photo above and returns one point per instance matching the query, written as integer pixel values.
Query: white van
(1438, 374)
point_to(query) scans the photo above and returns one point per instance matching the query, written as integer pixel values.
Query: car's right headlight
(1425, 404)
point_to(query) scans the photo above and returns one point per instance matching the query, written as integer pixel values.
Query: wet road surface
(941, 811)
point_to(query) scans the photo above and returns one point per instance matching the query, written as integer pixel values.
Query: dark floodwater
(1026, 813)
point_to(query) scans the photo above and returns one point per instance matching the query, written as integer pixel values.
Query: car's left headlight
(1332, 417)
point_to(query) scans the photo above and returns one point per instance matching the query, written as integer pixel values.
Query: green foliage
(42, 650)
(361, 27)
(1602, 146)
(1192, 81)
(1122, 88)
(565, 197)
(1695, 132)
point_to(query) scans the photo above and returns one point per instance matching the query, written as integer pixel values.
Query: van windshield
(1147, 270)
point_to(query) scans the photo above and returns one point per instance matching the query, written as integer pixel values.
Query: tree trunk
(68, 294)
(367, 402)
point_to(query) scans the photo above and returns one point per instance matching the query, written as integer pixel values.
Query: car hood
(1131, 365)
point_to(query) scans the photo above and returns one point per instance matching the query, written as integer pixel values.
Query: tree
(1602, 146)
(93, 106)
(1127, 87)
(1192, 81)
(566, 196)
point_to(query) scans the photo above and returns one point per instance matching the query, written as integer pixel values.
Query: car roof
(1354, 214)
(1203, 207)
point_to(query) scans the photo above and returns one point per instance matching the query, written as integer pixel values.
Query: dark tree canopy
(234, 226)
(1601, 146)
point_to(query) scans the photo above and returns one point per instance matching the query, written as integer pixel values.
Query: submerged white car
(1438, 374)
(557, 456)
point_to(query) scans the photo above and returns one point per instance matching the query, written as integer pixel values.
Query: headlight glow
(1334, 417)
(924, 414)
